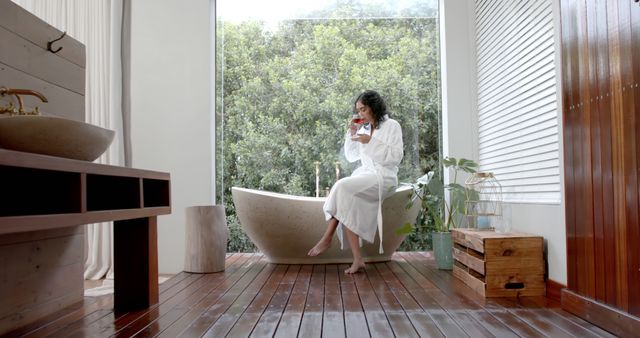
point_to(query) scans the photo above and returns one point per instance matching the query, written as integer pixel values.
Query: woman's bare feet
(325, 241)
(355, 268)
(321, 247)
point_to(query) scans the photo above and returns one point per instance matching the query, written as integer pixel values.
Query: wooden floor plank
(451, 305)
(491, 323)
(216, 303)
(400, 322)
(91, 317)
(311, 324)
(77, 317)
(421, 320)
(250, 317)
(460, 293)
(154, 322)
(542, 308)
(182, 316)
(497, 321)
(376, 318)
(445, 322)
(354, 318)
(228, 319)
(529, 316)
(266, 326)
(173, 294)
(177, 278)
(406, 297)
(333, 318)
(109, 324)
(581, 322)
(398, 319)
(467, 321)
(132, 322)
(292, 316)
(454, 288)
(77, 329)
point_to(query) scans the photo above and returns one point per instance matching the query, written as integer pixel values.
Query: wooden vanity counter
(44, 205)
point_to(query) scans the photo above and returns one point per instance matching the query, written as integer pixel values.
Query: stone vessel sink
(54, 136)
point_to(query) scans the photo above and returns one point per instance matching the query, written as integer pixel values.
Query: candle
(317, 163)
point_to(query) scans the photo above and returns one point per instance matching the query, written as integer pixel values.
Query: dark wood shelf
(102, 188)
(27, 191)
(43, 192)
(156, 193)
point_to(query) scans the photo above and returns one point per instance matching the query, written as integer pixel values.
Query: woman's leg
(325, 241)
(358, 262)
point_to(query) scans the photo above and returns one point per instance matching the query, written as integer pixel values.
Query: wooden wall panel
(604, 239)
(25, 63)
(601, 121)
(62, 102)
(596, 152)
(584, 232)
(569, 69)
(15, 19)
(633, 195)
(40, 272)
(20, 54)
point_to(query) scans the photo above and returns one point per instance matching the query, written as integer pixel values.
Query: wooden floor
(407, 297)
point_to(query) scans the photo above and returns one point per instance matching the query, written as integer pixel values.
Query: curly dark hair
(373, 100)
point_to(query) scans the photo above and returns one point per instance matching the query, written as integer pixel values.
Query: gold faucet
(11, 110)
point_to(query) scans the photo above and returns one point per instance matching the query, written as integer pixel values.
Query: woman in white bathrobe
(353, 207)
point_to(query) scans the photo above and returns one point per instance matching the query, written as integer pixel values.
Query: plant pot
(443, 250)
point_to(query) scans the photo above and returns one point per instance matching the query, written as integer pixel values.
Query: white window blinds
(517, 108)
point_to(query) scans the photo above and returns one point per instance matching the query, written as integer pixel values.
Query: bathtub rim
(400, 188)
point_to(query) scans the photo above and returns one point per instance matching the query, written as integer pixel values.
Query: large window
(287, 78)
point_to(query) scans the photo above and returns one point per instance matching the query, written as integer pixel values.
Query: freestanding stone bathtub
(284, 227)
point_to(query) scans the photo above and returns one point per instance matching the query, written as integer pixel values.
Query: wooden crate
(499, 265)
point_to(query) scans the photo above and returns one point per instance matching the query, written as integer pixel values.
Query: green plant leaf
(467, 165)
(405, 229)
(409, 204)
(472, 195)
(435, 187)
(458, 198)
(464, 162)
(449, 162)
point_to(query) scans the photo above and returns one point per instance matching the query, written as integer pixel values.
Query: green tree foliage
(287, 96)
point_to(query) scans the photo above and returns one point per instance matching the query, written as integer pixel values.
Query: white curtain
(97, 24)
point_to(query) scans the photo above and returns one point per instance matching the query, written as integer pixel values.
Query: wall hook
(52, 41)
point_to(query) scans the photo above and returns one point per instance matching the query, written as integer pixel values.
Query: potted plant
(440, 213)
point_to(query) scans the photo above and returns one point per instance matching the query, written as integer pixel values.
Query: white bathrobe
(356, 201)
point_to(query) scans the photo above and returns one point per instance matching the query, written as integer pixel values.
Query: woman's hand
(353, 127)
(362, 138)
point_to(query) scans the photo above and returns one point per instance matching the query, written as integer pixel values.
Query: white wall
(460, 124)
(170, 120)
(457, 51)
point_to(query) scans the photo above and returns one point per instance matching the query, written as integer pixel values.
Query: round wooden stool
(206, 239)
